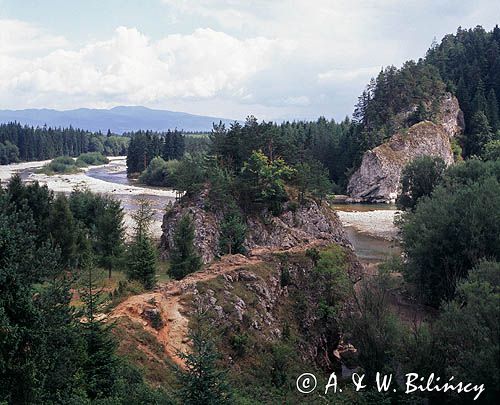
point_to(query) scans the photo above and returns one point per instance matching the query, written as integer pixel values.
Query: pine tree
(142, 263)
(479, 134)
(110, 234)
(493, 111)
(202, 383)
(183, 258)
(62, 228)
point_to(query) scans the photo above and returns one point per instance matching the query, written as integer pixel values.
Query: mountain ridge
(118, 119)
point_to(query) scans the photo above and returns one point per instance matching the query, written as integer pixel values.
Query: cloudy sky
(276, 59)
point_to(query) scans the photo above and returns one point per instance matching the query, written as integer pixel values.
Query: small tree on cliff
(232, 232)
(184, 259)
(142, 253)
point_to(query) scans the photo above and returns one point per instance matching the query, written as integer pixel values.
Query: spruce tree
(62, 228)
(493, 111)
(110, 234)
(183, 257)
(101, 364)
(480, 134)
(202, 383)
(142, 261)
(232, 233)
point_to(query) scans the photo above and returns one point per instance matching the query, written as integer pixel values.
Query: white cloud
(276, 59)
(130, 68)
(343, 75)
(18, 37)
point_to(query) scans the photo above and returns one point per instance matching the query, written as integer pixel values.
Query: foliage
(184, 259)
(331, 264)
(189, 175)
(313, 178)
(202, 383)
(418, 179)
(9, 153)
(232, 233)
(91, 159)
(375, 331)
(61, 165)
(159, 173)
(47, 143)
(141, 258)
(453, 230)
(491, 150)
(472, 317)
(262, 183)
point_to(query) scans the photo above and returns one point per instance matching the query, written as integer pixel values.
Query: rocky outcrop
(378, 177)
(295, 226)
(257, 301)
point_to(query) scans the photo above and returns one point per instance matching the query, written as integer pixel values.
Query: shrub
(92, 159)
(239, 343)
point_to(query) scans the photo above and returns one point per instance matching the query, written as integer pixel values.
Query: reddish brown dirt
(167, 298)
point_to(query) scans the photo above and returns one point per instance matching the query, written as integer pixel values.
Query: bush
(239, 343)
(60, 165)
(159, 173)
(452, 231)
(91, 159)
(418, 180)
(491, 150)
(469, 325)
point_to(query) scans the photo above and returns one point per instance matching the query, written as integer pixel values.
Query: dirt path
(167, 299)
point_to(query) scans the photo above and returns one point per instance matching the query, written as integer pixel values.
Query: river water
(371, 230)
(369, 227)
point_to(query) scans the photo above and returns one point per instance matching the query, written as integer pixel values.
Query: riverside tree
(418, 179)
(468, 203)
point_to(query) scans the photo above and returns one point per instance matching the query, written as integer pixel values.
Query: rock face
(378, 177)
(300, 226)
(262, 300)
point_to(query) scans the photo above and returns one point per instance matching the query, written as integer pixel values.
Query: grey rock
(378, 177)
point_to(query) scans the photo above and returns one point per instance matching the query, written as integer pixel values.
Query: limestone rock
(378, 177)
(307, 223)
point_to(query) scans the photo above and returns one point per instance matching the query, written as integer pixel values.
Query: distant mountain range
(118, 119)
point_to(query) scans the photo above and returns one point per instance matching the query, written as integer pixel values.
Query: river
(370, 228)
(109, 179)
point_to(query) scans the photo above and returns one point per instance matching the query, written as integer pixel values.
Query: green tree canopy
(418, 179)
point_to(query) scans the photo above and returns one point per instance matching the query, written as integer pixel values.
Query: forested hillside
(467, 64)
(24, 143)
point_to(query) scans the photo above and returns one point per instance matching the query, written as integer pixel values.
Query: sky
(275, 59)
